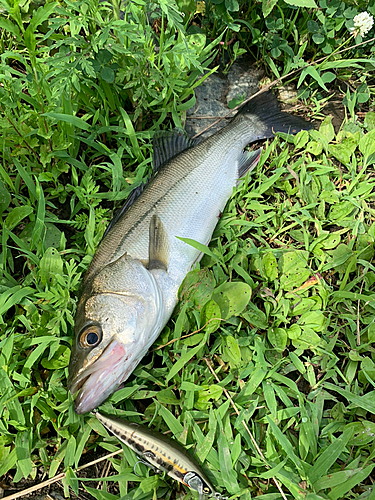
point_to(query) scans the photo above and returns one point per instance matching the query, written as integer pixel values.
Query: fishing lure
(161, 453)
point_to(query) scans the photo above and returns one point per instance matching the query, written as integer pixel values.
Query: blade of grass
(247, 428)
(329, 456)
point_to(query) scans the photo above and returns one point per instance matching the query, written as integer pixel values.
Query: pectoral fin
(158, 245)
(247, 162)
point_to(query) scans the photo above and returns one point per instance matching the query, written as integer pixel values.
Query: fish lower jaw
(88, 398)
(99, 380)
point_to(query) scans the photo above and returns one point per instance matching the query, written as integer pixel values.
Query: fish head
(117, 315)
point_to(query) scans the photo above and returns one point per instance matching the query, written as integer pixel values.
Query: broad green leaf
(363, 432)
(197, 287)
(232, 298)
(313, 319)
(214, 393)
(197, 41)
(50, 264)
(332, 241)
(267, 6)
(314, 147)
(107, 74)
(309, 4)
(232, 5)
(340, 257)
(369, 120)
(341, 210)
(307, 340)
(231, 351)
(291, 261)
(211, 316)
(255, 316)
(269, 265)
(326, 128)
(52, 235)
(301, 139)
(295, 279)
(278, 338)
(344, 148)
(367, 144)
(294, 332)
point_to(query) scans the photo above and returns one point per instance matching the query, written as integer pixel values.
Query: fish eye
(90, 336)
(206, 490)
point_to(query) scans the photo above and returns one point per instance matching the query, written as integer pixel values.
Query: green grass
(282, 305)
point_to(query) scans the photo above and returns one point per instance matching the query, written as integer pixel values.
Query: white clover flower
(363, 22)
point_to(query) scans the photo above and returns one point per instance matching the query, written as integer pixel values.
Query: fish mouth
(100, 379)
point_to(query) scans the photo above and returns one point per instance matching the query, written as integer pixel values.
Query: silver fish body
(131, 285)
(161, 453)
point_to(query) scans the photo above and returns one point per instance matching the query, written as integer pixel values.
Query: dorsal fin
(166, 144)
(169, 143)
(128, 203)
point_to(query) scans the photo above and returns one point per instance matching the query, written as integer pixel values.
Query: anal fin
(158, 250)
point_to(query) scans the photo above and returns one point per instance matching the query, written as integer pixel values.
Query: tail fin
(264, 111)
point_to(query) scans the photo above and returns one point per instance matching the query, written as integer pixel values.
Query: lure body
(161, 453)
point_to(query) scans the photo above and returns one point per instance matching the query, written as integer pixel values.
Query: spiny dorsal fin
(158, 250)
(169, 143)
(166, 144)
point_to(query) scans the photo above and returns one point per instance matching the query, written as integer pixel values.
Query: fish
(130, 288)
(161, 453)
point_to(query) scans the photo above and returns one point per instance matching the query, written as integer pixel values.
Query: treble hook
(152, 467)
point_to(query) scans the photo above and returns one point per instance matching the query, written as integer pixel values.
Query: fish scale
(141, 263)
